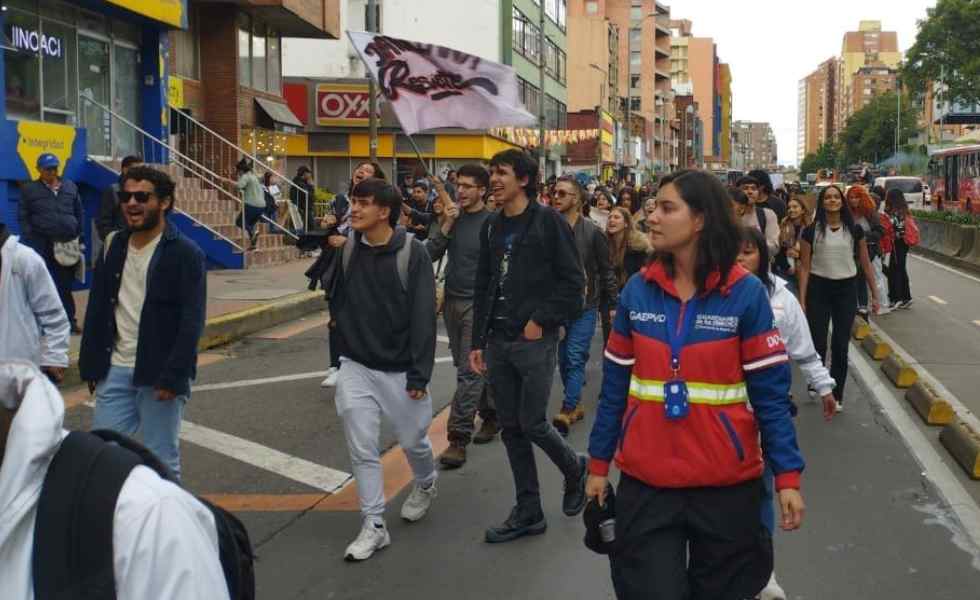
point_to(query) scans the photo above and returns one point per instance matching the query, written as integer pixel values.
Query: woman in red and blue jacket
(695, 370)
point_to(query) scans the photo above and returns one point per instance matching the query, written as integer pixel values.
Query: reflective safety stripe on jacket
(652, 390)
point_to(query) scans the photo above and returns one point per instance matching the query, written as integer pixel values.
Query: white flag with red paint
(432, 86)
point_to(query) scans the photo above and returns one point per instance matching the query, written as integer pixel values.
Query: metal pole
(598, 142)
(372, 26)
(542, 53)
(418, 153)
(898, 122)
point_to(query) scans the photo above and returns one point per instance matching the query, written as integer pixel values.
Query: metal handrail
(234, 151)
(190, 165)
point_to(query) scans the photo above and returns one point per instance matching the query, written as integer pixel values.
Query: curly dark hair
(163, 185)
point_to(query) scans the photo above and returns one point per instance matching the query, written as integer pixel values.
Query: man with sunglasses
(144, 319)
(600, 290)
(50, 212)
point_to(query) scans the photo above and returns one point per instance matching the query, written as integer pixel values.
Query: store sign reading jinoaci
(26, 39)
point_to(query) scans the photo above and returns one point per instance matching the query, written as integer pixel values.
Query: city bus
(954, 176)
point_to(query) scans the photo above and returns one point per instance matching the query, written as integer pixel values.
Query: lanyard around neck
(675, 337)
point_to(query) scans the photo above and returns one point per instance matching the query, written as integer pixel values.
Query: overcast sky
(772, 44)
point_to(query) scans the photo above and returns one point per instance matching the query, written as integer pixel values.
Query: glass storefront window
(58, 10)
(93, 22)
(22, 73)
(259, 81)
(58, 69)
(125, 99)
(93, 82)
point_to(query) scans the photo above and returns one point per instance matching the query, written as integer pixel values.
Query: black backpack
(73, 553)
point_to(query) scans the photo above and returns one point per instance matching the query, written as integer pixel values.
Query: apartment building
(869, 46)
(694, 62)
(754, 146)
(817, 121)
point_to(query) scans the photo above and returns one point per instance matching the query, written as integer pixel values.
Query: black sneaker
(516, 526)
(573, 501)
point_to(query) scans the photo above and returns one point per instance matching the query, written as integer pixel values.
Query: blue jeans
(573, 355)
(123, 407)
(768, 510)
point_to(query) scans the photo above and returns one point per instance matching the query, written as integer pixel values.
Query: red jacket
(737, 373)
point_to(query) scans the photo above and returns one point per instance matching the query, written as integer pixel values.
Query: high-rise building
(754, 146)
(869, 82)
(691, 132)
(694, 63)
(818, 97)
(801, 121)
(868, 46)
(725, 74)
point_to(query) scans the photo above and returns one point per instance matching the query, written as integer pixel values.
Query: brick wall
(219, 69)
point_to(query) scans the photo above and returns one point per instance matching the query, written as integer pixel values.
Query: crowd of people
(703, 293)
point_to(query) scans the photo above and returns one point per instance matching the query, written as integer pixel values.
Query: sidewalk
(240, 302)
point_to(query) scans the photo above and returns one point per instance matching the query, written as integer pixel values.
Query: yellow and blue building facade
(55, 54)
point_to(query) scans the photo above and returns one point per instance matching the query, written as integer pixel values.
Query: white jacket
(793, 327)
(164, 540)
(33, 323)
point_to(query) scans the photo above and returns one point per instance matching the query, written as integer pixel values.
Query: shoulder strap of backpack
(348, 252)
(402, 260)
(760, 214)
(73, 556)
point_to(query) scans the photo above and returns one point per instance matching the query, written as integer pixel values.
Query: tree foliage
(947, 49)
(869, 134)
(824, 158)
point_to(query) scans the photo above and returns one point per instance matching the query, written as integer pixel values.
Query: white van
(916, 191)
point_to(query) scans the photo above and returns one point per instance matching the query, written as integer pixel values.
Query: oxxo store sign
(342, 105)
(27, 39)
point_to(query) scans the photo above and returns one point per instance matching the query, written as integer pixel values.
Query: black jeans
(64, 280)
(899, 289)
(689, 543)
(832, 300)
(521, 373)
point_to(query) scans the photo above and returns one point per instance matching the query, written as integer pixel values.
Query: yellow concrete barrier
(899, 371)
(963, 442)
(875, 348)
(933, 409)
(861, 329)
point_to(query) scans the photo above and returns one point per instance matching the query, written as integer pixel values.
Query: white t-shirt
(833, 254)
(132, 293)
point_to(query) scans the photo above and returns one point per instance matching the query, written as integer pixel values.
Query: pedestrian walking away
(253, 200)
(51, 219)
(388, 356)
(528, 283)
(694, 371)
(144, 319)
(153, 518)
(792, 326)
(33, 324)
(458, 239)
(833, 254)
(601, 293)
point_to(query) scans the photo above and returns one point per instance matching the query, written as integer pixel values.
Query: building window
(636, 13)
(635, 103)
(22, 75)
(635, 58)
(186, 50)
(244, 50)
(555, 9)
(555, 113)
(555, 61)
(634, 81)
(525, 38)
(530, 95)
(259, 56)
(591, 8)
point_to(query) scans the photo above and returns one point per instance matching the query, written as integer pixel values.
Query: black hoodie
(380, 325)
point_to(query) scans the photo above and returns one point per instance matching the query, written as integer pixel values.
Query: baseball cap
(47, 161)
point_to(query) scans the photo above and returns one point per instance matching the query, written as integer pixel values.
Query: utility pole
(898, 122)
(542, 54)
(372, 26)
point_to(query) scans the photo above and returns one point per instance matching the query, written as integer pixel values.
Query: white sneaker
(839, 407)
(884, 310)
(772, 591)
(331, 381)
(371, 538)
(418, 502)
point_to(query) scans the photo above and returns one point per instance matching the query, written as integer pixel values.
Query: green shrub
(945, 216)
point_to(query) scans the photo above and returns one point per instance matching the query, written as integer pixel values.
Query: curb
(227, 328)
(899, 372)
(875, 348)
(964, 444)
(933, 409)
(946, 259)
(861, 329)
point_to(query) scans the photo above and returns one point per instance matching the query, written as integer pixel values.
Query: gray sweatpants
(363, 395)
(472, 393)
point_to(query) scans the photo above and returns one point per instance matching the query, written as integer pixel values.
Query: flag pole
(415, 147)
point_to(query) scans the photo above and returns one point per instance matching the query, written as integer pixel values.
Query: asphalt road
(874, 528)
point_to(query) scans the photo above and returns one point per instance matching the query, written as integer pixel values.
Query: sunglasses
(141, 197)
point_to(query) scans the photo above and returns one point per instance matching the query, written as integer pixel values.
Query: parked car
(915, 189)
